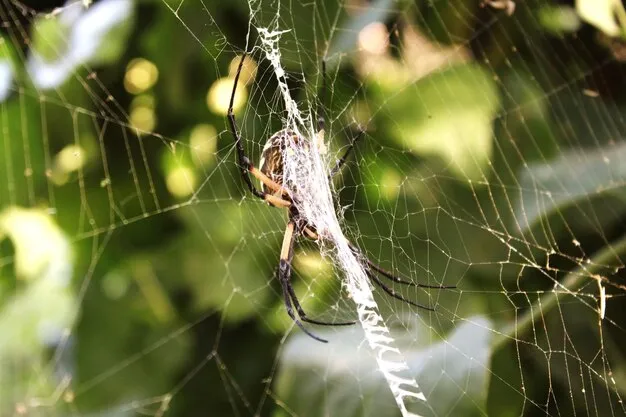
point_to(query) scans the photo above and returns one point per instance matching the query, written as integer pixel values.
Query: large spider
(270, 174)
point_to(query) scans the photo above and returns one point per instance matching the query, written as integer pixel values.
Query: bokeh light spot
(374, 38)
(203, 143)
(71, 158)
(143, 118)
(115, 285)
(41, 248)
(219, 94)
(248, 71)
(141, 75)
(390, 183)
(142, 115)
(181, 181)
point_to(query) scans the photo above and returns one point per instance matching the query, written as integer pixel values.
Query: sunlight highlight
(203, 144)
(374, 38)
(142, 115)
(140, 76)
(41, 249)
(71, 158)
(218, 96)
(248, 71)
(181, 181)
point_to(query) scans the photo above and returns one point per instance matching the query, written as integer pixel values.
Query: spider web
(137, 274)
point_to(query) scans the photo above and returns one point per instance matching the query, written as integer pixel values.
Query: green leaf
(559, 19)
(601, 14)
(448, 114)
(343, 376)
(576, 178)
(505, 397)
(36, 315)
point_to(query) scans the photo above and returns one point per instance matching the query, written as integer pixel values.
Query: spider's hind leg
(306, 229)
(395, 278)
(304, 317)
(284, 275)
(393, 293)
(289, 295)
(284, 269)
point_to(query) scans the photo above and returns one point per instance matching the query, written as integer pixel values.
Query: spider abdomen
(271, 163)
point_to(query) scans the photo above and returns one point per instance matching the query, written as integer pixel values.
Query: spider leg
(313, 235)
(397, 279)
(245, 164)
(394, 278)
(283, 267)
(284, 273)
(321, 121)
(270, 198)
(304, 317)
(296, 302)
(393, 293)
(341, 161)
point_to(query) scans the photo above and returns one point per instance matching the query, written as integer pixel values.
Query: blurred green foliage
(136, 276)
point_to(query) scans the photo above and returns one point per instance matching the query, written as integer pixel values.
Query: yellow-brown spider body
(271, 163)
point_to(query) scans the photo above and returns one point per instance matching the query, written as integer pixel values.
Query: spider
(270, 175)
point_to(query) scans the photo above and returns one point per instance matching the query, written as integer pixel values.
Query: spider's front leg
(245, 164)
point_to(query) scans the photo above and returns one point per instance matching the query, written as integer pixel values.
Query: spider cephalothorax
(270, 174)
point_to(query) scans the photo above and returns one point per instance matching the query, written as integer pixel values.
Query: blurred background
(137, 274)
